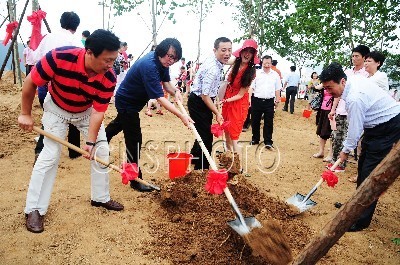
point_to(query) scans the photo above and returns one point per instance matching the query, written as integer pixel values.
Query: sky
(134, 29)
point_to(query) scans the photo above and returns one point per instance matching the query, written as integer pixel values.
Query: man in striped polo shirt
(81, 83)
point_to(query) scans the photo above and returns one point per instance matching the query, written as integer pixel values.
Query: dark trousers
(28, 69)
(291, 92)
(202, 116)
(247, 122)
(376, 144)
(74, 137)
(129, 124)
(261, 107)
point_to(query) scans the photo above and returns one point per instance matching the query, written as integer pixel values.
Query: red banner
(36, 21)
(9, 31)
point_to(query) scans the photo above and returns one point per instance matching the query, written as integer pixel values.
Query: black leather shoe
(356, 228)
(110, 205)
(254, 142)
(140, 187)
(34, 222)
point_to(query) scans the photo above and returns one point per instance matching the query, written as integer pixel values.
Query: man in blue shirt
(145, 80)
(291, 85)
(201, 99)
(370, 109)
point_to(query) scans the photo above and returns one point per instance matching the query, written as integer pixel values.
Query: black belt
(194, 95)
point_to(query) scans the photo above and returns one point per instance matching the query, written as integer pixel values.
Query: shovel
(242, 225)
(83, 152)
(304, 203)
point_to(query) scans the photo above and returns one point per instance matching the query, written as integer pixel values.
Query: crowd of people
(78, 79)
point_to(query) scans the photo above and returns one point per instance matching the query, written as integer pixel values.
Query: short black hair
(101, 40)
(292, 68)
(162, 48)
(274, 62)
(70, 21)
(362, 49)
(313, 74)
(183, 58)
(266, 57)
(219, 40)
(377, 57)
(85, 33)
(334, 72)
(123, 44)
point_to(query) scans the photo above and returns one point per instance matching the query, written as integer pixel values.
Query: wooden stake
(378, 181)
(13, 40)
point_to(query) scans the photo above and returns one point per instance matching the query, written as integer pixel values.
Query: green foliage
(321, 31)
(391, 66)
(396, 241)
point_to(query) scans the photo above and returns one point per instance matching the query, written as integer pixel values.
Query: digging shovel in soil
(125, 173)
(304, 203)
(267, 241)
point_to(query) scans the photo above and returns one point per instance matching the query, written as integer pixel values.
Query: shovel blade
(244, 228)
(297, 200)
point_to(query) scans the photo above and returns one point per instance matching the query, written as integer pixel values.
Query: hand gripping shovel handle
(314, 189)
(213, 165)
(83, 152)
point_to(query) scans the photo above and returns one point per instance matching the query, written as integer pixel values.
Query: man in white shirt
(338, 111)
(371, 110)
(64, 37)
(292, 83)
(266, 94)
(28, 58)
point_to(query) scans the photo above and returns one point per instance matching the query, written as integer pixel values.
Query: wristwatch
(90, 143)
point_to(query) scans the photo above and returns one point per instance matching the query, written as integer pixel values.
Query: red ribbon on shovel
(218, 129)
(129, 172)
(330, 178)
(216, 181)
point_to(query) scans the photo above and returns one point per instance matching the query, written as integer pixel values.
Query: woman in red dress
(236, 100)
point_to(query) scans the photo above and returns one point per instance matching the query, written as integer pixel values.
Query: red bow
(217, 130)
(330, 178)
(9, 30)
(216, 181)
(36, 21)
(130, 171)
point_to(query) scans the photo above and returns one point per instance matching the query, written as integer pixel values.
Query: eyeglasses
(172, 57)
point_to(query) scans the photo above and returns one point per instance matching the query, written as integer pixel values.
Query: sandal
(353, 179)
(148, 113)
(318, 155)
(159, 112)
(327, 159)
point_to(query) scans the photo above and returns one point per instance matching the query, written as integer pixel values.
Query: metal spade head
(242, 229)
(298, 201)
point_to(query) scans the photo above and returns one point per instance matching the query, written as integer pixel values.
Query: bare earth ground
(183, 224)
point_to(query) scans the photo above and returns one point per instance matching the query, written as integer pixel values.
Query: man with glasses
(145, 80)
(201, 99)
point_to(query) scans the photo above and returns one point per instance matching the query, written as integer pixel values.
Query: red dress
(235, 111)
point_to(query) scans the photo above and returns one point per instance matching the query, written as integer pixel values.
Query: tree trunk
(378, 181)
(200, 26)
(154, 21)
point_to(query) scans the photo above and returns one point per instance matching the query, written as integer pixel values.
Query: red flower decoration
(330, 178)
(36, 21)
(9, 30)
(216, 181)
(217, 130)
(130, 171)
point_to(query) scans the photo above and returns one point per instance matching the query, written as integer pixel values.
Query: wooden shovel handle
(213, 166)
(83, 152)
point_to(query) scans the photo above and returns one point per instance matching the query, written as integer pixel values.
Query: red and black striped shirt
(70, 87)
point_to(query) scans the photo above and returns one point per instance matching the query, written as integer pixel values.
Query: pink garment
(327, 101)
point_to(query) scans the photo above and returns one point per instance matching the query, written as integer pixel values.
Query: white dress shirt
(381, 79)
(54, 40)
(265, 84)
(367, 106)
